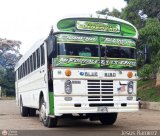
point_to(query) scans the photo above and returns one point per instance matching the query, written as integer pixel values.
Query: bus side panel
(31, 86)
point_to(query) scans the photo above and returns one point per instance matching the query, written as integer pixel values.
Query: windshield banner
(117, 42)
(71, 61)
(118, 63)
(83, 39)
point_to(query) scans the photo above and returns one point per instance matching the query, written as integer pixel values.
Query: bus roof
(98, 24)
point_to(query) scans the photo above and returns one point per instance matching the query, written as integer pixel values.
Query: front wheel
(108, 118)
(47, 121)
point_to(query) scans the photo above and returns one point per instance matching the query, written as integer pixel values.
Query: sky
(29, 20)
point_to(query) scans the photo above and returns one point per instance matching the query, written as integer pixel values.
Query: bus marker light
(68, 72)
(130, 74)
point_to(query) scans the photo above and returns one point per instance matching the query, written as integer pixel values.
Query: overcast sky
(29, 20)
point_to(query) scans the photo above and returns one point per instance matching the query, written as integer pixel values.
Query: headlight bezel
(68, 87)
(130, 87)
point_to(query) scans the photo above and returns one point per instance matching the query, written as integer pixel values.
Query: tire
(108, 119)
(23, 110)
(32, 112)
(47, 121)
(50, 122)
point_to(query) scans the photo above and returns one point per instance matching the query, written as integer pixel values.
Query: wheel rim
(43, 112)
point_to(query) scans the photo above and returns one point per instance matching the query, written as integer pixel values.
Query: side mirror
(51, 47)
(146, 53)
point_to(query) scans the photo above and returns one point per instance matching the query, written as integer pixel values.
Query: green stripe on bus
(51, 103)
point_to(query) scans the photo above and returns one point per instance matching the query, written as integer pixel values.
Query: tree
(149, 35)
(9, 55)
(114, 12)
(2, 74)
(103, 11)
(130, 13)
(137, 9)
(9, 52)
(127, 1)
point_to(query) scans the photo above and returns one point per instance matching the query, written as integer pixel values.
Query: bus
(86, 69)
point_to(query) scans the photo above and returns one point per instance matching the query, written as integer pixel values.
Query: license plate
(103, 109)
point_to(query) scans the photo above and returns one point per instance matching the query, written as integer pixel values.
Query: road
(10, 119)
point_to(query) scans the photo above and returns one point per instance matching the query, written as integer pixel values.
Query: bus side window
(18, 73)
(42, 55)
(38, 57)
(34, 61)
(30, 62)
(26, 68)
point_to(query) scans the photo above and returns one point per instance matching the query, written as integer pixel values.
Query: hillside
(147, 91)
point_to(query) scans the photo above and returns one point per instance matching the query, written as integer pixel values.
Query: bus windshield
(80, 51)
(95, 56)
(118, 52)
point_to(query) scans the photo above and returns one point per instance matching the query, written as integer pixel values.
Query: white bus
(86, 69)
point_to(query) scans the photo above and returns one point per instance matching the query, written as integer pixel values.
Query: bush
(146, 72)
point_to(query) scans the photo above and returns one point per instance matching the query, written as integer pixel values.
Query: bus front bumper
(95, 107)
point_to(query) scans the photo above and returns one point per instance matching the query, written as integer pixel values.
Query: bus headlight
(68, 87)
(130, 87)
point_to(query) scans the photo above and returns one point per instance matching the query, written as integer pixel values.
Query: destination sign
(98, 26)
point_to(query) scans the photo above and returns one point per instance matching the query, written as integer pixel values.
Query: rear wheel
(108, 119)
(32, 112)
(23, 110)
(47, 121)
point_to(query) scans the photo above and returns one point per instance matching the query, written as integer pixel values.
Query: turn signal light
(130, 74)
(68, 72)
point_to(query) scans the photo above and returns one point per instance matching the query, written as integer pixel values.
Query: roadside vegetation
(147, 91)
(9, 55)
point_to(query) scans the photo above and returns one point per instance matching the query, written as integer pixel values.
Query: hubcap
(43, 112)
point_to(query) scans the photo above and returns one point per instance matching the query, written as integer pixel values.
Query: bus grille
(98, 88)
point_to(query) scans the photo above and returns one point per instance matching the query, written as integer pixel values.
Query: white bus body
(63, 85)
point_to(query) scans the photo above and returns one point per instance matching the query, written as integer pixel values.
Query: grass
(147, 91)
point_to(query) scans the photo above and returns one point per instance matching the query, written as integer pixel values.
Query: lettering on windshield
(118, 42)
(94, 62)
(75, 38)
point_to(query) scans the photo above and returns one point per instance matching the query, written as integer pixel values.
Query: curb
(150, 105)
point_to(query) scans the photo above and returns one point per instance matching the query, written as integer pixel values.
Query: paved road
(10, 119)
